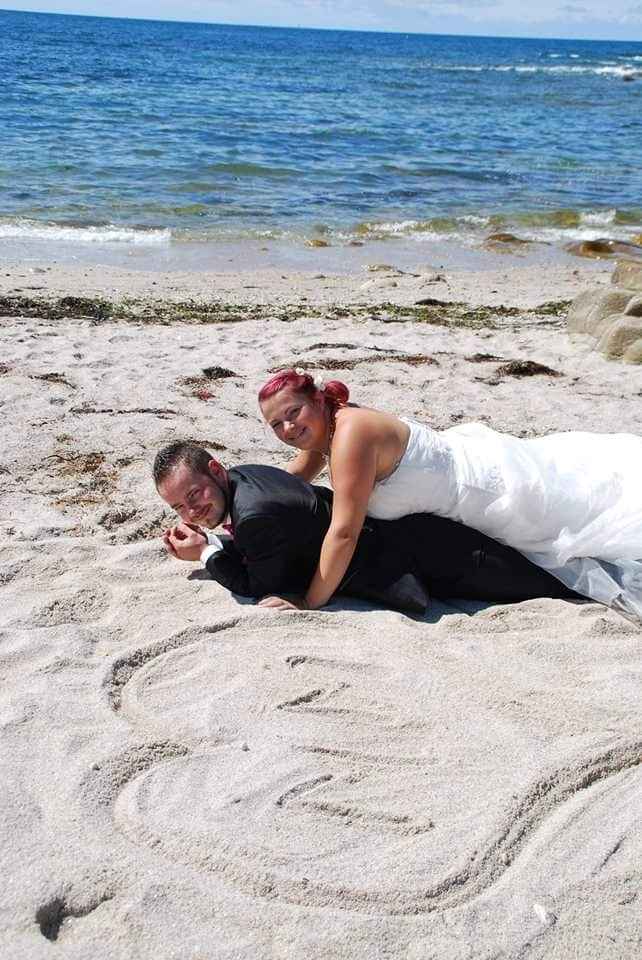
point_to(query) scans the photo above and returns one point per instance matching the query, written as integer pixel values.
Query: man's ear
(216, 469)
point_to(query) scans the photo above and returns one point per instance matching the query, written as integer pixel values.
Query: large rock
(634, 307)
(612, 316)
(589, 311)
(633, 354)
(622, 334)
(628, 275)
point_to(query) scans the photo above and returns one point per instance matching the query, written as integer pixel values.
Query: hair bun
(336, 392)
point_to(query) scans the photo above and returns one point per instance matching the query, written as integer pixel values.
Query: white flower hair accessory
(318, 382)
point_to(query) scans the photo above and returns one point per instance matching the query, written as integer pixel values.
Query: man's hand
(279, 603)
(185, 541)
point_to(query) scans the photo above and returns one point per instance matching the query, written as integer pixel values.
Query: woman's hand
(279, 603)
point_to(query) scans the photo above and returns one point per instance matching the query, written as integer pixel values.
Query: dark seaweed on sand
(429, 311)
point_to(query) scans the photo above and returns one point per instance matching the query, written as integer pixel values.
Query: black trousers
(456, 561)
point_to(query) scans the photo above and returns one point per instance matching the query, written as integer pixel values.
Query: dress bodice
(423, 480)
(453, 473)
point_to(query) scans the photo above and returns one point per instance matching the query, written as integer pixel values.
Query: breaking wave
(23, 229)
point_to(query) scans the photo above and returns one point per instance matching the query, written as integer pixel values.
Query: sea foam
(23, 229)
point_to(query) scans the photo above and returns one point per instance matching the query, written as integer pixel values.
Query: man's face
(196, 497)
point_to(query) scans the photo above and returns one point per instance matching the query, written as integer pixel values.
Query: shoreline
(223, 256)
(372, 280)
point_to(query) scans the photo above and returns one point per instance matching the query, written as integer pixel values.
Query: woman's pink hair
(334, 392)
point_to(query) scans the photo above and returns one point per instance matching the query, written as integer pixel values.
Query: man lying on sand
(278, 523)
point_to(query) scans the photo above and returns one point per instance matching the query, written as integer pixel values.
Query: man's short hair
(195, 457)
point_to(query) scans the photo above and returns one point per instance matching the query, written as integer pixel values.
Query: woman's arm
(307, 464)
(354, 471)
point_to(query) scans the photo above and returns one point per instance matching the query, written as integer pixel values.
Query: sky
(546, 18)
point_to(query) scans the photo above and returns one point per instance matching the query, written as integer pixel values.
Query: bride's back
(364, 424)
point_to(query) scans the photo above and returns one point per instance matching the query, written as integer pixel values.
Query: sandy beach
(187, 776)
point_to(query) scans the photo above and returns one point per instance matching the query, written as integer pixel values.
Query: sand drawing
(219, 719)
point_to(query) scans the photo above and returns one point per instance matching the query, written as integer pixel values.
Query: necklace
(331, 428)
(332, 424)
(326, 456)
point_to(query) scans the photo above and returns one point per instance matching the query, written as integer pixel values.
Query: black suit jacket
(280, 521)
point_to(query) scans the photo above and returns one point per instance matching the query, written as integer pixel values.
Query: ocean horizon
(272, 26)
(153, 134)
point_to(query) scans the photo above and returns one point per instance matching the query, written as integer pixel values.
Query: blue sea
(130, 132)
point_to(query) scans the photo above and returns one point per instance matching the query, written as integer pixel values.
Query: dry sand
(187, 776)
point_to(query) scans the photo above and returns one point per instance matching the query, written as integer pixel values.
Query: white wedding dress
(570, 502)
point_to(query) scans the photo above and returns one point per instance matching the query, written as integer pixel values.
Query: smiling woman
(569, 502)
(303, 415)
(361, 447)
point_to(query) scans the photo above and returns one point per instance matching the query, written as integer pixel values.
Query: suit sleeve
(227, 568)
(259, 562)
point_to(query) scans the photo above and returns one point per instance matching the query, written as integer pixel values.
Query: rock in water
(603, 249)
(505, 238)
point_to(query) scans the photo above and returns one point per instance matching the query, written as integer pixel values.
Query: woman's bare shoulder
(364, 421)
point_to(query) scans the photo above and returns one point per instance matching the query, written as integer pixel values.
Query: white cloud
(545, 13)
(585, 18)
(574, 10)
(427, 7)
